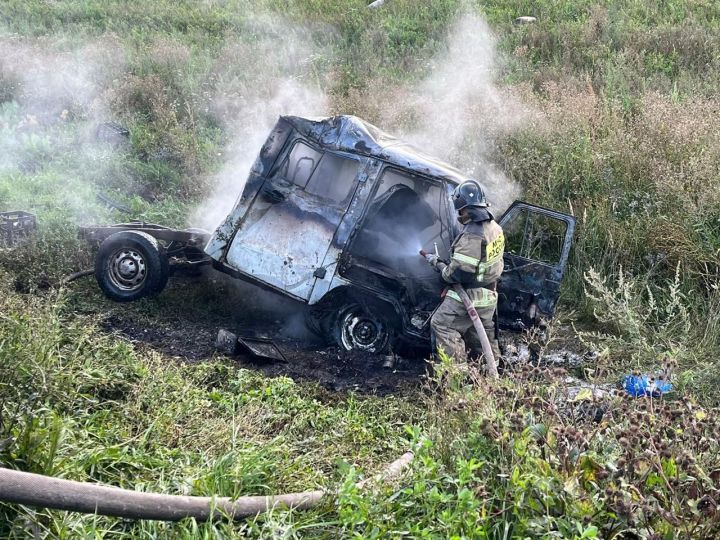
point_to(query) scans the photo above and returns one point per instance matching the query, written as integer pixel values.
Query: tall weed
(643, 325)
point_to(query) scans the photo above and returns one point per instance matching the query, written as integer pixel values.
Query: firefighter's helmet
(469, 193)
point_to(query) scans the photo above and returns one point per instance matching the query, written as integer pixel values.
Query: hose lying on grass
(47, 492)
(77, 275)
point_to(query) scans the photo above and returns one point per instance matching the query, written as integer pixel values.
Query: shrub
(643, 323)
(526, 458)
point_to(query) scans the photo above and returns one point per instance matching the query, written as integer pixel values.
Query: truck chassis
(135, 259)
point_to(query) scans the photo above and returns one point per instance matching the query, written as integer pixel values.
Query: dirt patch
(187, 332)
(342, 371)
(182, 323)
(330, 367)
(177, 339)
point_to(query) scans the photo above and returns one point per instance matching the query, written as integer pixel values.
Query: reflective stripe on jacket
(480, 297)
(477, 255)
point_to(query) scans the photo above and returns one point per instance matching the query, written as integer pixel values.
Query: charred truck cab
(334, 213)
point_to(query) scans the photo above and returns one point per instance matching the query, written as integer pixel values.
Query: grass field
(604, 109)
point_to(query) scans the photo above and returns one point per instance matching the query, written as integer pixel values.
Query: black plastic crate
(16, 227)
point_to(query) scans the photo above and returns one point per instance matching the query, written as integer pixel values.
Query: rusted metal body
(191, 237)
(537, 247)
(184, 247)
(16, 228)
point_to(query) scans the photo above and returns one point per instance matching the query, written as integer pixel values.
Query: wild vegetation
(616, 123)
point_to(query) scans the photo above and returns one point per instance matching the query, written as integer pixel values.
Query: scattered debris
(261, 347)
(16, 228)
(191, 336)
(584, 399)
(517, 352)
(226, 342)
(578, 390)
(389, 361)
(525, 20)
(637, 385)
(564, 358)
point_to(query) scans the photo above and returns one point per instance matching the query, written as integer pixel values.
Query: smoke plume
(459, 111)
(51, 98)
(456, 113)
(257, 81)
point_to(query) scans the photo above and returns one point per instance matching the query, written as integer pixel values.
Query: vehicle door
(285, 235)
(406, 213)
(537, 247)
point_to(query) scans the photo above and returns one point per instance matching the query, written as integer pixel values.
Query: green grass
(622, 133)
(87, 406)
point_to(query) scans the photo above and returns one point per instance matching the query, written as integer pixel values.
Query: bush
(645, 324)
(525, 458)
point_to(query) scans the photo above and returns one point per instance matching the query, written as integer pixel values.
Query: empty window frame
(323, 174)
(535, 236)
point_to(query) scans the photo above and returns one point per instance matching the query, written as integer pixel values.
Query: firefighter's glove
(432, 259)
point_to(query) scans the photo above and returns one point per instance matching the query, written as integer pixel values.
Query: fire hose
(77, 275)
(48, 492)
(490, 363)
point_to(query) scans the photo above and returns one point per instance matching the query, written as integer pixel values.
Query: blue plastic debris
(643, 385)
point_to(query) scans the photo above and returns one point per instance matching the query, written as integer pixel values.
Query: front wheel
(355, 329)
(130, 265)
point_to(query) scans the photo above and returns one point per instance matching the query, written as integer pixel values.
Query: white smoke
(459, 110)
(271, 68)
(52, 98)
(49, 79)
(259, 81)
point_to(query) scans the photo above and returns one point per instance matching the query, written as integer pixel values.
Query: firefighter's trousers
(452, 328)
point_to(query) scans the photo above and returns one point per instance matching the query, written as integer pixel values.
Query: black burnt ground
(188, 334)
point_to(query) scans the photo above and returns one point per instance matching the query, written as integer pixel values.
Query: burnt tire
(131, 265)
(355, 329)
(320, 322)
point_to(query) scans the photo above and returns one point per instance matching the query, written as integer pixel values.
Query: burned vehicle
(333, 214)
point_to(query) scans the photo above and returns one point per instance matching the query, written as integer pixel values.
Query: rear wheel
(130, 265)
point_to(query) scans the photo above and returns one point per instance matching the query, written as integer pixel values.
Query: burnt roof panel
(351, 134)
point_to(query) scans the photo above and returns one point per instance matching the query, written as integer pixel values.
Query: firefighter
(476, 263)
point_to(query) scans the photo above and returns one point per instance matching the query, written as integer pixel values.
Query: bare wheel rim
(127, 269)
(360, 332)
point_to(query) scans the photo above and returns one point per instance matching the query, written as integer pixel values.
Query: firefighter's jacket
(476, 262)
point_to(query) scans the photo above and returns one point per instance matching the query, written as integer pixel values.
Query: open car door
(537, 246)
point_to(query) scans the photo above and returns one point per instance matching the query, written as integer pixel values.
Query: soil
(190, 334)
(184, 321)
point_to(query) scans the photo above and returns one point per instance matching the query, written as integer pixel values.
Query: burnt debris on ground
(187, 331)
(330, 367)
(183, 324)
